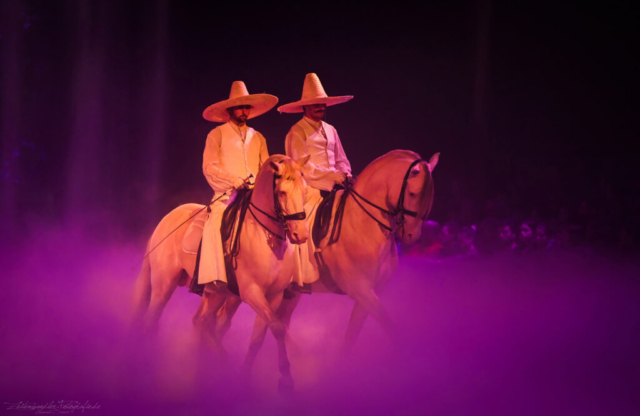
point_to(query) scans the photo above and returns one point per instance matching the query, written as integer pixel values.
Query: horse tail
(142, 291)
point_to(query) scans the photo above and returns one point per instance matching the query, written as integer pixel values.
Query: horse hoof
(285, 386)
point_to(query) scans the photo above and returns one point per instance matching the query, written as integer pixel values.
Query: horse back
(167, 239)
(180, 215)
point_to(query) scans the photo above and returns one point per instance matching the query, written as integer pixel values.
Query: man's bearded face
(315, 111)
(240, 114)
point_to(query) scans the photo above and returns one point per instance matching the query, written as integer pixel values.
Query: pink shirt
(319, 140)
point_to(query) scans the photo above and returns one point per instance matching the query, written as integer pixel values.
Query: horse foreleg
(356, 322)
(279, 330)
(255, 298)
(287, 306)
(265, 309)
(225, 314)
(285, 312)
(370, 303)
(257, 339)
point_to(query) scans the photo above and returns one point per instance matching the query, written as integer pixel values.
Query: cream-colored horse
(265, 262)
(392, 198)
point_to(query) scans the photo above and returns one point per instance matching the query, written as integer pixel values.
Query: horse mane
(288, 165)
(394, 154)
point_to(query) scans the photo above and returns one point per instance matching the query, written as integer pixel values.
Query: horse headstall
(298, 216)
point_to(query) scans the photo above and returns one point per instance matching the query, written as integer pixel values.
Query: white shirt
(319, 140)
(232, 152)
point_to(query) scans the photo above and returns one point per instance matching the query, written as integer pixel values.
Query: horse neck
(375, 184)
(262, 195)
(375, 191)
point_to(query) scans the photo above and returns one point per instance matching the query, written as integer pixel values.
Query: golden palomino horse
(387, 203)
(264, 264)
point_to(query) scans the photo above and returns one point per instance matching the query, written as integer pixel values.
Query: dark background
(532, 106)
(101, 101)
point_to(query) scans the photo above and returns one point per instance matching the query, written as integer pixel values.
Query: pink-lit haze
(552, 334)
(530, 106)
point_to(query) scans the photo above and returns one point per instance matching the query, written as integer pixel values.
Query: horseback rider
(328, 165)
(233, 153)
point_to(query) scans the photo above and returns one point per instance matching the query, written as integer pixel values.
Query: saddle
(232, 220)
(321, 227)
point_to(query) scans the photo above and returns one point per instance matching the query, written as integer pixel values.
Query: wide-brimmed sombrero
(260, 103)
(313, 93)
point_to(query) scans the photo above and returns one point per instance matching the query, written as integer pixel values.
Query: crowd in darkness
(536, 210)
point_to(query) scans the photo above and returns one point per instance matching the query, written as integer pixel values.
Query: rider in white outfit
(232, 157)
(328, 164)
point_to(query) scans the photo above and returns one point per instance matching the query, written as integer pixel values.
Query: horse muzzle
(298, 232)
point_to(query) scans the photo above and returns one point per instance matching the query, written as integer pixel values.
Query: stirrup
(294, 287)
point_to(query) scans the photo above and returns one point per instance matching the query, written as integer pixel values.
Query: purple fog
(555, 333)
(522, 297)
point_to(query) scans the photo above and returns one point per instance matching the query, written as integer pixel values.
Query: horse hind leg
(163, 285)
(225, 314)
(142, 294)
(205, 319)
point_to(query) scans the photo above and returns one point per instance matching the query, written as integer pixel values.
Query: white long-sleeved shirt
(231, 153)
(319, 140)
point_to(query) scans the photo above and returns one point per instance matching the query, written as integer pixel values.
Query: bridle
(399, 212)
(280, 217)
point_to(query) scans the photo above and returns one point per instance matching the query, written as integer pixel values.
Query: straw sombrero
(260, 103)
(313, 93)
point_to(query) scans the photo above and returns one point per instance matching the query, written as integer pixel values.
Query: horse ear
(303, 161)
(276, 166)
(415, 170)
(433, 161)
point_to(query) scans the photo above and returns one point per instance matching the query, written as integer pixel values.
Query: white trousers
(212, 254)
(307, 270)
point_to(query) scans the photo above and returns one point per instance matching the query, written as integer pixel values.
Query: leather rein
(399, 212)
(280, 217)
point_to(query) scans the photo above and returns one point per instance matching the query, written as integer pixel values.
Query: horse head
(289, 192)
(400, 185)
(414, 205)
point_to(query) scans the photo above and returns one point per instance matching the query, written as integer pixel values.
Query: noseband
(280, 216)
(399, 212)
(278, 208)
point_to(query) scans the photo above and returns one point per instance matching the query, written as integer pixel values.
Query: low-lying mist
(552, 333)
